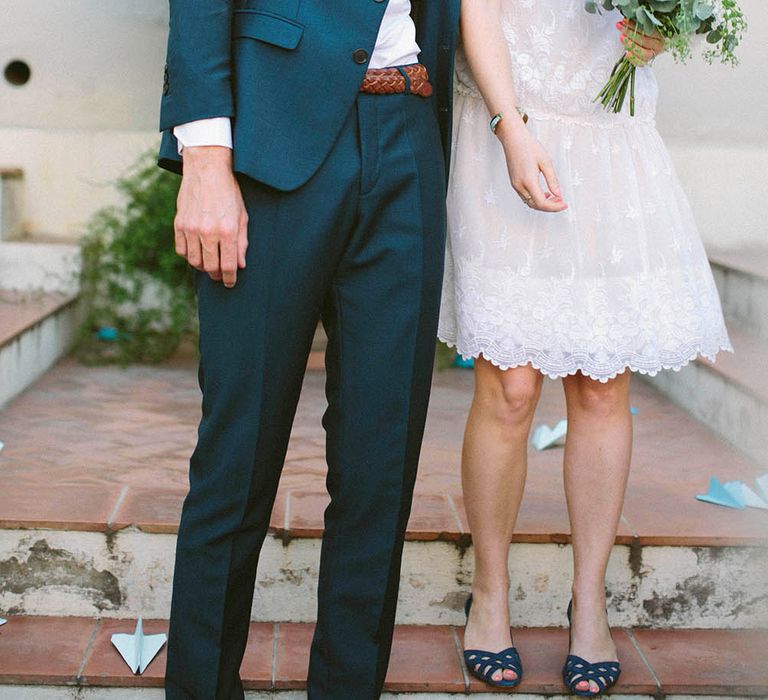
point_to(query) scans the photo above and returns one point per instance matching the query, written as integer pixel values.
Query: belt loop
(404, 73)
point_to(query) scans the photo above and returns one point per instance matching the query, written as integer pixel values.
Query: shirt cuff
(216, 131)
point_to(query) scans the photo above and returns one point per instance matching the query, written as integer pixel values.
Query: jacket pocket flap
(272, 29)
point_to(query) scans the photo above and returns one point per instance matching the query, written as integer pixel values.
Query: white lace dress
(620, 280)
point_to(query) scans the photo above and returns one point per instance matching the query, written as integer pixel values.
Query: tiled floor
(104, 448)
(425, 659)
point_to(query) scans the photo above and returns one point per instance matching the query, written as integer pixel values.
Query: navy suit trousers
(361, 246)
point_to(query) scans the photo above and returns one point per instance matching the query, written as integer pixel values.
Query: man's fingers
(242, 242)
(211, 262)
(194, 253)
(229, 262)
(180, 240)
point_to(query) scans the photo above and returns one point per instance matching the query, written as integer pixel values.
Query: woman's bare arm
(488, 55)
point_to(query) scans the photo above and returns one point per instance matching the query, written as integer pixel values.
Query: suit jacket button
(360, 56)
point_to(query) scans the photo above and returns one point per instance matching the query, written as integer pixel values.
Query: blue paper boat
(719, 495)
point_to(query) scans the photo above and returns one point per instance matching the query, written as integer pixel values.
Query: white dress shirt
(395, 46)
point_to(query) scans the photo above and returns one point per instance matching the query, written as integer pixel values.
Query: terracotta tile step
(40, 504)
(100, 449)
(77, 651)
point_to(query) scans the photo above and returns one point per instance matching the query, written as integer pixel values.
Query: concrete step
(742, 279)
(94, 474)
(730, 396)
(129, 573)
(36, 329)
(426, 662)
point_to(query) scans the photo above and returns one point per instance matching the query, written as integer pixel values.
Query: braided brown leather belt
(391, 81)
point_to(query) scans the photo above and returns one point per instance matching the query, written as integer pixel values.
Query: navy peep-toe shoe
(483, 664)
(605, 674)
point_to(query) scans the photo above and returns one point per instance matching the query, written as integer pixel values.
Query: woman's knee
(600, 398)
(510, 395)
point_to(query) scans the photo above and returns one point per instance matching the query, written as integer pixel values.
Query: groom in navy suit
(313, 137)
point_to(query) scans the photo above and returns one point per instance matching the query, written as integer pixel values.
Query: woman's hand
(527, 161)
(641, 48)
(487, 52)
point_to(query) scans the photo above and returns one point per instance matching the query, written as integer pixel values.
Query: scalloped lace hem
(604, 373)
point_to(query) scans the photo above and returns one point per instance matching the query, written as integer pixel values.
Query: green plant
(138, 294)
(444, 356)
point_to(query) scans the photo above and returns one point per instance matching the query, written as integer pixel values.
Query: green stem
(614, 93)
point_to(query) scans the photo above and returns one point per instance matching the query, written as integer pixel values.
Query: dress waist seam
(587, 121)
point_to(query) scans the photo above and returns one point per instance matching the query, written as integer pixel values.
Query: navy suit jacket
(287, 73)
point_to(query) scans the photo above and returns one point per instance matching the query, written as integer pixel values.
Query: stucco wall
(91, 106)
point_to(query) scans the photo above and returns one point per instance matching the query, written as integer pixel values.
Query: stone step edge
(745, 368)
(740, 262)
(46, 305)
(461, 539)
(78, 652)
(36, 330)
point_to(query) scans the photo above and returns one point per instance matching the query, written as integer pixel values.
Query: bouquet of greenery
(676, 22)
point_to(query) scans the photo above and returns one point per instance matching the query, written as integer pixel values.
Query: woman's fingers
(641, 48)
(543, 201)
(652, 43)
(548, 170)
(640, 57)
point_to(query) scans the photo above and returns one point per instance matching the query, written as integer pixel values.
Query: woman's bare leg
(596, 467)
(494, 462)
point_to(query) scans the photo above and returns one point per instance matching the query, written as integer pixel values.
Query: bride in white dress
(572, 253)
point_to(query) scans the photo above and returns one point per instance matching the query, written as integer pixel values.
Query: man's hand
(211, 225)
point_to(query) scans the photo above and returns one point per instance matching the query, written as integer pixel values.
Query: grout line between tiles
(460, 658)
(275, 639)
(118, 505)
(88, 651)
(455, 512)
(642, 655)
(629, 525)
(287, 516)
